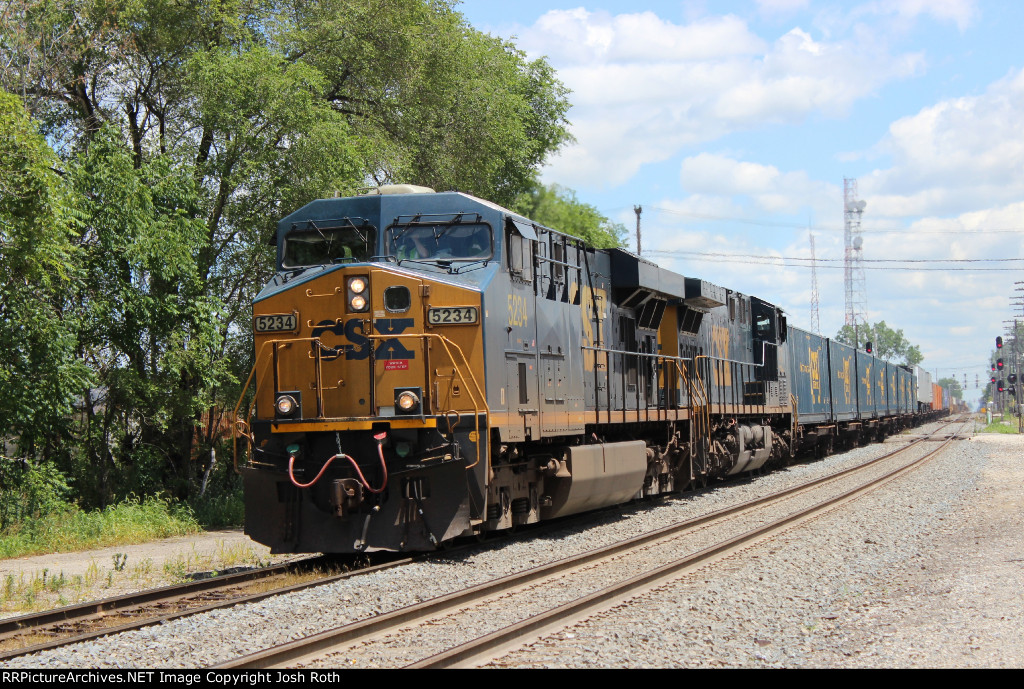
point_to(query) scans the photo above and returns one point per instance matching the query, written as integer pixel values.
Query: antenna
(853, 265)
(815, 320)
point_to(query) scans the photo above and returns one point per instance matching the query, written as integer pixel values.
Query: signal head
(999, 364)
(868, 347)
(999, 342)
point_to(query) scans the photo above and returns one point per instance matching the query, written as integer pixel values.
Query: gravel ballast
(924, 573)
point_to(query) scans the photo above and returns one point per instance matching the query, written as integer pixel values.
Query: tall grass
(38, 513)
(69, 528)
(219, 511)
(1002, 426)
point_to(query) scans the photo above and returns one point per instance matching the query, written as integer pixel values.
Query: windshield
(443, 242)
(314, 247)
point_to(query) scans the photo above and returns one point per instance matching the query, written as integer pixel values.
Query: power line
(805, 262)
(829, 228)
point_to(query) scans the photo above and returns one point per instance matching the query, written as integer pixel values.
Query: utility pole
(638, 210)
(1016, 360)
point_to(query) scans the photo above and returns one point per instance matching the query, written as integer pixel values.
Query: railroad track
(431, 634)
(51, 629)
(62, 626)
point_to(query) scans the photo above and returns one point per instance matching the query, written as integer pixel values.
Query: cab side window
(520, 258)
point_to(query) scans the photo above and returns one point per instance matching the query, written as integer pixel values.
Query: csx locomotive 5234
(431, 365)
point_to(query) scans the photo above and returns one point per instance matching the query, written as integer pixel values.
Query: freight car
(432, 365)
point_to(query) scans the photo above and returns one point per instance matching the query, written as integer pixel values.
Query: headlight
(407, 401)
(286, 404)
(358, 294)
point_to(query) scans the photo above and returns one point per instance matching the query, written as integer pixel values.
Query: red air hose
(362, 479)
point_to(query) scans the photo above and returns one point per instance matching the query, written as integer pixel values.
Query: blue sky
(734, 124)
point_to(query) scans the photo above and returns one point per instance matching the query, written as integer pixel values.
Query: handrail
(445, 342)
(242, 426)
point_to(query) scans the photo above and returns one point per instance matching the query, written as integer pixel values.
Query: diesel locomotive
(432, 365)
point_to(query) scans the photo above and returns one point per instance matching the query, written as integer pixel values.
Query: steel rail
(136, 604)
(318, 644)
(464, 653)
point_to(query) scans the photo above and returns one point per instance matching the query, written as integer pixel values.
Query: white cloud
(579, 37)
(960, 12)
(954, 156)
(781, 6)
(771, 190)
(644, 87)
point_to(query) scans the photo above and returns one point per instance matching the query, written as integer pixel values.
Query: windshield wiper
(405, 228)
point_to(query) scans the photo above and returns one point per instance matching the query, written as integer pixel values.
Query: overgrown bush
(29, 491)
(220, 504)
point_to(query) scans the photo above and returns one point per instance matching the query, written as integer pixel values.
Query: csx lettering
(517, 310)
(813, 369)
(720, 349)
(392, 347)
(358, 346)
(844, 376)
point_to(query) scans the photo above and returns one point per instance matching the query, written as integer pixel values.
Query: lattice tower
(815, 319)
(853, 264)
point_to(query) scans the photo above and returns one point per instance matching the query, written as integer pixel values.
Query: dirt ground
(38, 582)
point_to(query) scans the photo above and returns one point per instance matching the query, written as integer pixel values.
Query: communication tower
(853, 258)
(815, 319)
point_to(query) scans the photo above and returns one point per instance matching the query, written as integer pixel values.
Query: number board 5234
(453, 315)
(276, 323)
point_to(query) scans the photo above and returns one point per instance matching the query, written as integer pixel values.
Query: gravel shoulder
(926, 574)
(957, 603)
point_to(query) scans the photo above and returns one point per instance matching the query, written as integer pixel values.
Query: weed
(1001, 426)
(55, 584)
(70, 528)
(120, 560)
(237, 554)
(92, 573)
(176, 568)
(142, 570)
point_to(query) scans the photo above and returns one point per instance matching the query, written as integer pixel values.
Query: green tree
(223, 116)
(558, 208)
(150, 332)
(888, 344)
(40, 376)
(952, 385)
